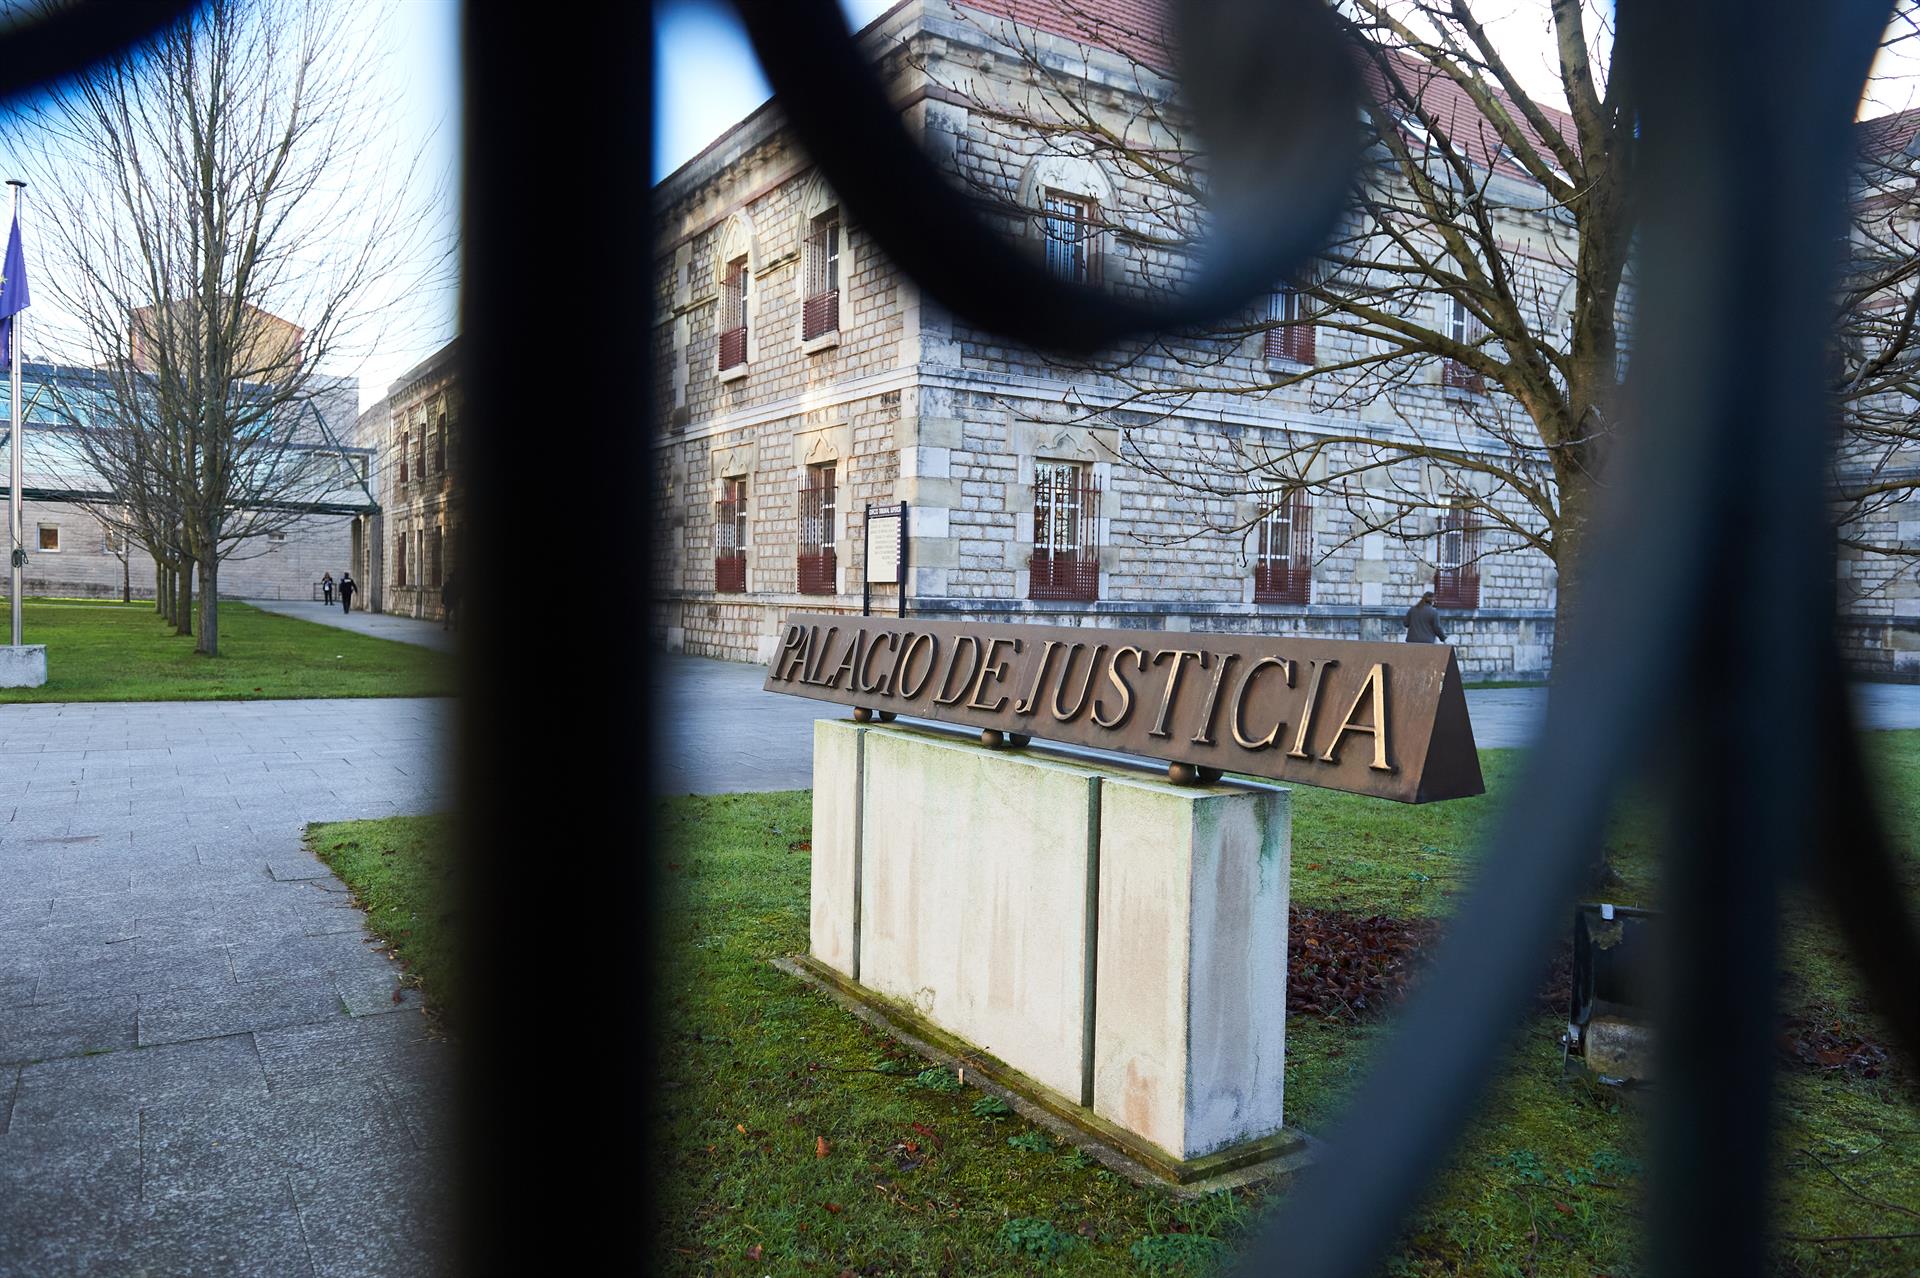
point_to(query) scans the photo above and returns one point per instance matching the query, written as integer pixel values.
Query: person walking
(449, 600)
(1423, 622)
(326, 588)
(347, 590)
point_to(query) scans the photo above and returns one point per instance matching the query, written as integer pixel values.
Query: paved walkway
(723, 735)
(427, 634)
(205, 1065)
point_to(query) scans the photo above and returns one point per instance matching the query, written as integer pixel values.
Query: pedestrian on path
(347, 589)
(449, 600)
(1423, 622)
(326, 588)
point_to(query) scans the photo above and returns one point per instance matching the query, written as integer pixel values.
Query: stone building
(72, 552)
(802, 381)
(403, 556)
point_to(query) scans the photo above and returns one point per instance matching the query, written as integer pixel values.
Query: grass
(795, 1139)
(398, 869)
(99, 650)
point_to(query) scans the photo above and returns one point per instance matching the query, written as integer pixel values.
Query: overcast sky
(707, 79)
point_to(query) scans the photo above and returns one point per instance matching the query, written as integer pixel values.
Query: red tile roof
(1138, 29)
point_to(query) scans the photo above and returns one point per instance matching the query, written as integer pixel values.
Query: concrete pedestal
(1114, 944)
(23, 665)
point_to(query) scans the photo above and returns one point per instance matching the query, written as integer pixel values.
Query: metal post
(16, 440)
(866, 572)
(900, 562)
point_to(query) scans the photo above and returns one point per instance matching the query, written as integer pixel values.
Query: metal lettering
(850, 662)
(1121, 686)
(792, 652)
(941, 698)
(1377, 685)
(1299, 750)
(1086, 685)
(903, 666)
(1039, 674)
(867, 682)
(1238, 720)
(1135, 691)
(1205, 735)
(989, 670)
(1179, 655)
(815, 659)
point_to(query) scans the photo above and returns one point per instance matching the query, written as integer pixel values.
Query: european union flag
(13, 294)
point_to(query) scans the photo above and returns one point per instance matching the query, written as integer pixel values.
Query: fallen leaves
(1346, 966)
(1830, 1046)
(820, 1147)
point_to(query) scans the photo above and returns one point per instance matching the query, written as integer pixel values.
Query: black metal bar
(900, 562)
(866, 564)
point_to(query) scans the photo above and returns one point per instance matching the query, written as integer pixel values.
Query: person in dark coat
(326, 588)
(1423, 622)
(347, 591)
(449, 600)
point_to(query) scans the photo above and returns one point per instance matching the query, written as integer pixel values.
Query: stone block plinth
(1103, 942)
(23, 665)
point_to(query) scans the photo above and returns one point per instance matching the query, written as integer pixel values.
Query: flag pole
(15, 440)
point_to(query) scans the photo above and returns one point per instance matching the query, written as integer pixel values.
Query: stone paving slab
(203, 1067)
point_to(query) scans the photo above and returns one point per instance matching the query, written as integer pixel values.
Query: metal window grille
(440, 446)
(1283, 568)
(730, 539)
(733, 315)
(1069, 234)
(400, 559)
(1464, 328)
(1066, 533)
(434, 578)
(403, 457)
(817, 564)
(1294, 342)
(1456, 578)
(822, 311)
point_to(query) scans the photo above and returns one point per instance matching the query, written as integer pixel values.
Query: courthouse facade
(802, 381)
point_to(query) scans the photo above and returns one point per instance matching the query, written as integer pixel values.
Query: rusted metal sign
(1387, 719)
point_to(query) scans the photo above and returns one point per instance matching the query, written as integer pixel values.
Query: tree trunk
(209, 608)
(126, 575)
(183, 600)
(159, 585)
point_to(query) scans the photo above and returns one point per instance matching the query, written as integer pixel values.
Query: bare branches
(221, 215)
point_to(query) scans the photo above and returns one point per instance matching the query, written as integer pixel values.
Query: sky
(707, 79)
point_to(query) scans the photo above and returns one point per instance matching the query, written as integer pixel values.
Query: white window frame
(40, 538)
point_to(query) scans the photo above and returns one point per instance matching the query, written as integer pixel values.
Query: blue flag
(13, 294)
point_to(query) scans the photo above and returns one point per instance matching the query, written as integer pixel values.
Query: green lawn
(795, 1139)
(107, 651)
(398, 867)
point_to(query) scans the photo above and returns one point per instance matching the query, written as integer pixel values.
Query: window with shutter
(1290, 338)
(730, 538)
(733, 315)
(1456, 578)
(1070, 228)
(1283, 563)
(818, 568)
(1462, 327)
(821, 313)
(1066, 553)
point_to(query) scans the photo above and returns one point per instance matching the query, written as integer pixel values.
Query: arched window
(733, 268)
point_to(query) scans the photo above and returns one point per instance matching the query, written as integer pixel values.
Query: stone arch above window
(1069, 174)
(736, 239)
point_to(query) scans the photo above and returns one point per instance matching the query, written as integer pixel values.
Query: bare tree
(1472, 313)
(220, 177)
